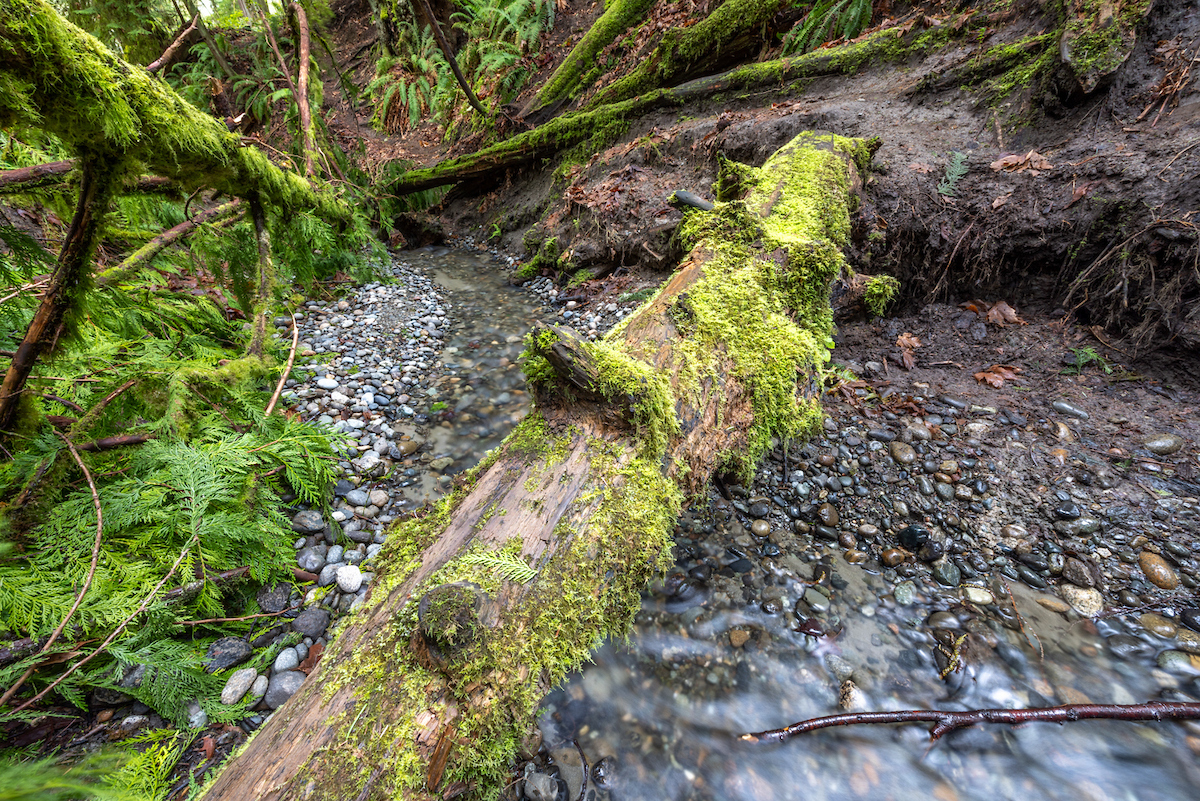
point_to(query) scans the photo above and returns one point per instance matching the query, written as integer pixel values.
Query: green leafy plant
(956, 168)
(879, 292)
(1085, 357)
(828, 19)
(503, 563)
(438, 406)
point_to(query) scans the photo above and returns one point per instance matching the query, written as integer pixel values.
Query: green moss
(57, 77)
(567, 79)
(879, 292)
(770, 314)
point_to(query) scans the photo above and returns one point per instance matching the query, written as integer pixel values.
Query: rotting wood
(585, 492)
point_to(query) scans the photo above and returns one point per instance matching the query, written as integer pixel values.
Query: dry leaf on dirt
(997, 374)
(907, 343)
(921, 167)
(1000, 201)
(1002, 314)
(208, 746)
(310, 661)
(1032, 161)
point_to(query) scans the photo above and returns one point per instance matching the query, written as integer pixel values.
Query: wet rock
(816, 600)
(1077, 573)
(225, 653)
(978, 595)
(308, 522)
(891, 557)
(827, 514)
(1085, 601)
(913, 537)
(311, 622)
(1157, 624)
(1123, 646)
(738, 637)
(238, 684)
(1179, 663)
(759, 508)
(282, 686)
(1067, 510)
(1157, 571)
(1071, 411)
(1163, 444)
(931, 551)
(1190, 617)
(604, 773)
(1030, 577)
(902, 452)
(905, 593)
(946, 573)
(760, 528)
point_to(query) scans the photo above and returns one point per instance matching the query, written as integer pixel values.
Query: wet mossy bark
(541, 552)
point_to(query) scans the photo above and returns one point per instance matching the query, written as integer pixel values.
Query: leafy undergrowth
(141, 467)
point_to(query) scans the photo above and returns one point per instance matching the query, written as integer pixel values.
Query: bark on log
(482, 605)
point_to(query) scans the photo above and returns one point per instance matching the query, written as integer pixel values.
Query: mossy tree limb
(572, 128)
(141, 257)
(570, 77)
(584, 493)
(62, 80)
(98, 177)
(732, 31)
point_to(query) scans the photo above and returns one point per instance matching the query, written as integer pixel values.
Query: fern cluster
(501, 38)
(827, 20)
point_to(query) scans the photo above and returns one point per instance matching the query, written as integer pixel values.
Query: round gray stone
(311, 622)
(349, 578)
(283, 686)
(238, 684)
(309, 521)
(287, 659)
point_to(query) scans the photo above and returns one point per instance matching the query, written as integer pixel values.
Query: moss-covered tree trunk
(484, 604)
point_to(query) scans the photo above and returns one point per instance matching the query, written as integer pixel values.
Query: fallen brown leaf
(921, 167)
(1033, 161)
(997, 374)
(310, 661)
(908, 343)
(1002, 314)
(208, 745)
(1000, 201)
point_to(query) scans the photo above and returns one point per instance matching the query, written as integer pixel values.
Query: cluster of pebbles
(894, 558)
(379, 367)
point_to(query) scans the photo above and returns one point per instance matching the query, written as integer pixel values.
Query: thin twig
(946, 721)
(287, 368)
(586, 770)
(116, 632)
(236, 619)
(87, 582)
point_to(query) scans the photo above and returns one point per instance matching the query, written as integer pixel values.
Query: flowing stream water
(661, 712)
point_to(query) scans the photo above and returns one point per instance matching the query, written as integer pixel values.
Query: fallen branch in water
(946, 721)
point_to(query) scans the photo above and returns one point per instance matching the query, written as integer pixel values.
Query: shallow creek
(706, 661)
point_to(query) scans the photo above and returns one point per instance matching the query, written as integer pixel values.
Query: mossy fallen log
(602, 125)
(483, 604)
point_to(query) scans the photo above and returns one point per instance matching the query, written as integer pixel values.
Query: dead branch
(115, 632)
(146, 252)
(169, 55)
(25, 178)
(237, 619)
(436, 27)
(946, 721)
(301, 98)
(287, 369)
(87, 582)
(112, 443)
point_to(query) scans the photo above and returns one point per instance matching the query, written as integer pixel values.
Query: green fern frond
(505, 564)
